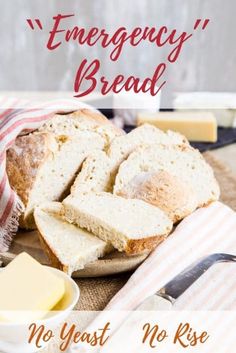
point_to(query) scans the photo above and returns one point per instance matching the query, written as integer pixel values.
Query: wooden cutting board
(113, 263)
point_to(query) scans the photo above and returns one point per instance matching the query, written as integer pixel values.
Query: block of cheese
(196, 126)
(222, 104)
(28, 290)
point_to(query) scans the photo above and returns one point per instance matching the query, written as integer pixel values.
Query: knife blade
(180, 283)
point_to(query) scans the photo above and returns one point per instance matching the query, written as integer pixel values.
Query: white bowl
(14, 336)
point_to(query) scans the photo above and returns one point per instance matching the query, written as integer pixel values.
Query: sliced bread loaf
(42, 166)
(182, 162)
(132, 226)
(68, 247)
(99, 170)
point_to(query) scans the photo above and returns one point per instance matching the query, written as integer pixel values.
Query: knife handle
(179, 284)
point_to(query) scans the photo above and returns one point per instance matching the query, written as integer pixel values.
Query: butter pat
(28, 290)
(196, 126)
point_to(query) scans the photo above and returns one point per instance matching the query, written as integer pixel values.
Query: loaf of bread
(42, 166)
(68, 247)
(99, 170)
(127, 190)
(129, 225)
(184, 163)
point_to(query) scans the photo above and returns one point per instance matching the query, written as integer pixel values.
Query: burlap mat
(97, 292)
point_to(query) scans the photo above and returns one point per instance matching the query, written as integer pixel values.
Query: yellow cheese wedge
(196, 126)
(28, 290)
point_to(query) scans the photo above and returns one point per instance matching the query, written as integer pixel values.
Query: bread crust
(54, 208)
(138, 246)
(162, 190)
(98, 119)
(92, 115)
(52, 257)
(24, 159)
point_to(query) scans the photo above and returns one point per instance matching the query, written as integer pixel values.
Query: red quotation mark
(31, 24)
(205, 23)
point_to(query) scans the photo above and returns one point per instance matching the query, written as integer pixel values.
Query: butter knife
(166, 296)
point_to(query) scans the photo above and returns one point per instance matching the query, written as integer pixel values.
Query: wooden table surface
(227, 155)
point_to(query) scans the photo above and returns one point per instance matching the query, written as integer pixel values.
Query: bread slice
(99, 170)
(42, 166)
(182, 162)
(68, 247)
(95, 175)
(129, 225)
(122, 146)
(164, 190)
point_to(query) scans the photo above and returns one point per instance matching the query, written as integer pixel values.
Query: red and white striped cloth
(208, 230)
(18, 117)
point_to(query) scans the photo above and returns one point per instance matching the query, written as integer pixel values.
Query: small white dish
(14, 336)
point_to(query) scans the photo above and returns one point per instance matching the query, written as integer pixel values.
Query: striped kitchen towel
(208, 230)
(18, 117)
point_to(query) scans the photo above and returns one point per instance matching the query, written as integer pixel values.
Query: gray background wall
(208, 62)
